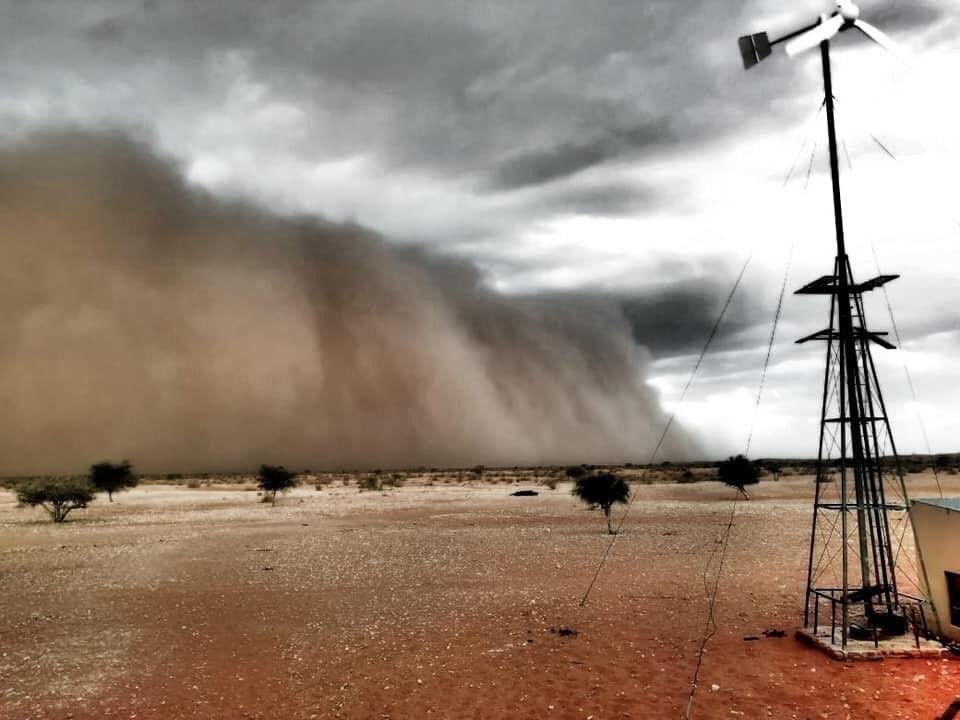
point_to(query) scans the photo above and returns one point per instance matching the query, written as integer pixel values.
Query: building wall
(938, 539)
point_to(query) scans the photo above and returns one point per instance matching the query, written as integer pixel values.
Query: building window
(953, 595)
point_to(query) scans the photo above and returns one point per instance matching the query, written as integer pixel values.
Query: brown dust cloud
(143, 318)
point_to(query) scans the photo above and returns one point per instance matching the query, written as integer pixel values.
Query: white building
(936, 523)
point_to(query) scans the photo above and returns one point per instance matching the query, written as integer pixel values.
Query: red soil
(439, 602)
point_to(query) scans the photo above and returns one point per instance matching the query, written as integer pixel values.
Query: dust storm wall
(145, 319)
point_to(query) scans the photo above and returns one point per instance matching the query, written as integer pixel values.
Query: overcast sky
(611, 147)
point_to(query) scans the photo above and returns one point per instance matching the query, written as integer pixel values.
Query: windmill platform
(900, 646)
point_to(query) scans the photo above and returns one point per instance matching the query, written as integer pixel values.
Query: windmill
(855, 589)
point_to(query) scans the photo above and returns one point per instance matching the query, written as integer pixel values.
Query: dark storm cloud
(521, 93)
(605, 199)
(894, 16)
(545, 166)
(678, 320)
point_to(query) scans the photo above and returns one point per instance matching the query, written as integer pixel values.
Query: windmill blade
(881, 39)
(824, 31)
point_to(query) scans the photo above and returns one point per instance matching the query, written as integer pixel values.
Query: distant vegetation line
(684, 471)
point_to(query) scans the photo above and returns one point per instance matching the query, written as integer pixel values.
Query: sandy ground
(423, 602)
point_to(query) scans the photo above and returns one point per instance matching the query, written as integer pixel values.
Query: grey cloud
(458, 87)
(893, 16)
(451, 87)
(677, 320)
(603, 199)
(545, 166)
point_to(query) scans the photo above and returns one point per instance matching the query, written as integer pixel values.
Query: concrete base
(904, 646)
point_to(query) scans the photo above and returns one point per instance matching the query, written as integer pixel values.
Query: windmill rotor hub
(848, 10)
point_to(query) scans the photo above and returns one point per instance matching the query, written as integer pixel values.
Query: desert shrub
(275, 478)
(173, 476)
(193, 483)
(370, 482)
(551, 481)
(773, 468)
(602, 491)
(738, 472)
(393, 480)
(58, 496)
(687, 477)
(575, 471)
(110, 478)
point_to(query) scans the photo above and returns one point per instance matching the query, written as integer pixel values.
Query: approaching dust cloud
(144, 319)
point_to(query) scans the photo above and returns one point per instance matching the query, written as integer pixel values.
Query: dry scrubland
(442, 597)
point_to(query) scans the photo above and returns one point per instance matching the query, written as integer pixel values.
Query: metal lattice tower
(860, 515)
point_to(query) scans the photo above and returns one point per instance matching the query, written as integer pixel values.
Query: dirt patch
(446, 602)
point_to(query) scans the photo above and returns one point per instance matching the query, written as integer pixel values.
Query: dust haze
(145, 319)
